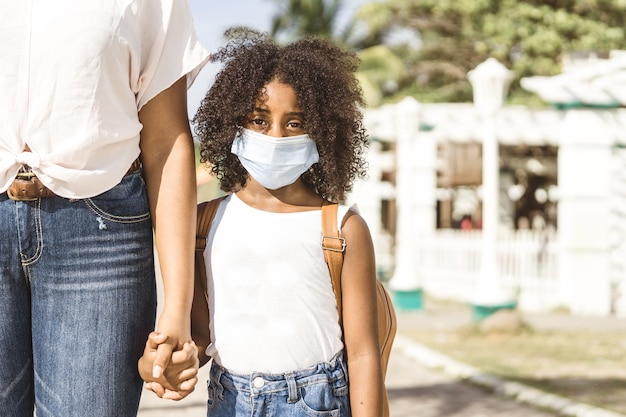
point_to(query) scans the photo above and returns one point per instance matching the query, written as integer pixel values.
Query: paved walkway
(417, 391)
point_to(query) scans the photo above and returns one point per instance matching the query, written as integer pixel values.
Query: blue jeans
(77, 301)
(319, 391)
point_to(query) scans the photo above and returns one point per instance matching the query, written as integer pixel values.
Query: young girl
(281, 129)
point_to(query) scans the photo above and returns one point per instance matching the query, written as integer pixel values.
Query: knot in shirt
(29, 158)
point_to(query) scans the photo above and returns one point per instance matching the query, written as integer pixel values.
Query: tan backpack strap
(334, 246)
(206, 213)
(200, 304)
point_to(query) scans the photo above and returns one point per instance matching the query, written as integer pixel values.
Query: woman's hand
(178, 377)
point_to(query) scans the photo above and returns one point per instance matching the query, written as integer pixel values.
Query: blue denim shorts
(321, 390)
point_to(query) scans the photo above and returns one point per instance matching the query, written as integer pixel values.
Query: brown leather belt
(27, 187)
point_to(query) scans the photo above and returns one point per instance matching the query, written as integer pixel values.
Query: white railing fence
(449, 266)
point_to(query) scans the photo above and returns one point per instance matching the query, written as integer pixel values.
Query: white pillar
(405, 280)
(367, 195)
(489, 291)
(618, 230)
(584, 212)
(490, 82)
(424, 174)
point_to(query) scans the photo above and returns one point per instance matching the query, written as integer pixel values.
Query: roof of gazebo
(515, 125)
(590, 83)
(460, 122)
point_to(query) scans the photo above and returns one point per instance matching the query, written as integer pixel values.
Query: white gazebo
(582, 268)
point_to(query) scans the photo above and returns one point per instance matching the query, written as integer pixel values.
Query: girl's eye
(257, 122)
(295, 125)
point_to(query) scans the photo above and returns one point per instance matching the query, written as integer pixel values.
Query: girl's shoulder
(345, 211)
(348, 215)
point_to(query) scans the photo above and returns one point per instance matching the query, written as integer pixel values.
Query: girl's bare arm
(360, 320)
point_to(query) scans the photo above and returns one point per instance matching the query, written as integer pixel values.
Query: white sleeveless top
(271, 300)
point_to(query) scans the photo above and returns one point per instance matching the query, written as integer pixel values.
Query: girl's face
(279, 115)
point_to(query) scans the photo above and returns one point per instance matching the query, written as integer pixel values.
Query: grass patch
(585, 366)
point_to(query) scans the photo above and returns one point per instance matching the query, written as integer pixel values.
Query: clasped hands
(170, 374)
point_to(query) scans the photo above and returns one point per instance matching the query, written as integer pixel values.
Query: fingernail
(156, 371)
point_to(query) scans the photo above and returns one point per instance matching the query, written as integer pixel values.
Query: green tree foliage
(380, 66)
(297, 18)
(529, 37)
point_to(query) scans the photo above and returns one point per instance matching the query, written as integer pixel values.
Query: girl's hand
(171, 327)
(178, 379)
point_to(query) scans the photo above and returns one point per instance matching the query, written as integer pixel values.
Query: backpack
(332, 244)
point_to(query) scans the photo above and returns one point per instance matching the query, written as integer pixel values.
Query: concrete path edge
(519, 392)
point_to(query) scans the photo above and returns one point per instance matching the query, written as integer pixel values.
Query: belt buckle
(19, 198)
(24, 176)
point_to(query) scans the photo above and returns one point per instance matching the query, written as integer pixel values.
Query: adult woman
(89, 89)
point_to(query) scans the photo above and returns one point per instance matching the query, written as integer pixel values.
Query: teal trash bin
(408, 300)
(481, 312)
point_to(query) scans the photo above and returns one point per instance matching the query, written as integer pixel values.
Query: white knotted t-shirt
(271, 299)
(73, 76)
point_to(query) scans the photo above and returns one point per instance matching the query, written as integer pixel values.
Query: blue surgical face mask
(274, 162)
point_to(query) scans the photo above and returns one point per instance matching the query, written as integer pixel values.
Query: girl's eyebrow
(266, 111)
(295, 114)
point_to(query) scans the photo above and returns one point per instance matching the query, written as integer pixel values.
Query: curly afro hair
(322, 75)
